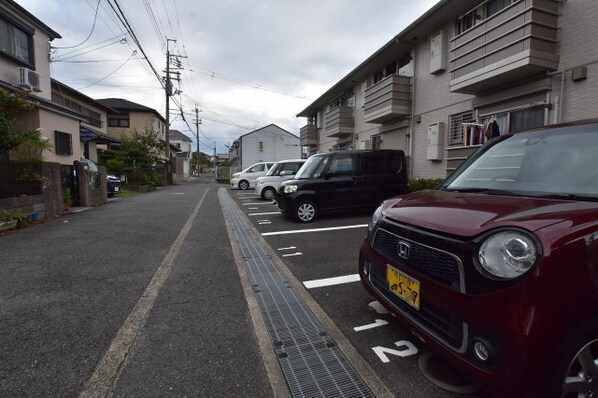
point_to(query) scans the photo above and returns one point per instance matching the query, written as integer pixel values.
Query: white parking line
(255, 204)
(286, 248)
(339, 280)
(293, 254)
(252, 208)
(267, 213)
(300, 231)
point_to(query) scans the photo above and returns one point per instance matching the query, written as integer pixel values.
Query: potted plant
(67, 199)
(10, 219)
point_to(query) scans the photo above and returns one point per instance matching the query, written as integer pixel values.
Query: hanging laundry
(495, 129)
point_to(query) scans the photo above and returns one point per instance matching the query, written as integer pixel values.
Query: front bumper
(451, 321)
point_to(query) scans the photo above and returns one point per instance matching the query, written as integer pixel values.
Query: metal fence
(20, 178)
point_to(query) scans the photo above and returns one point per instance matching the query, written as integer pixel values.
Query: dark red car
(497, 270)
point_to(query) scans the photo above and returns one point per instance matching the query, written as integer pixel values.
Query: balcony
(308, 135)
(517, 43)
(339, 122)
(388, 100)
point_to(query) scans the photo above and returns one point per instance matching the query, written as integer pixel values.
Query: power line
(125, 22)
(111, 73)
(95, 17)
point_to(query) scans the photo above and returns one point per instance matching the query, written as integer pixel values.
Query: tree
(137, 157)
(11, 105)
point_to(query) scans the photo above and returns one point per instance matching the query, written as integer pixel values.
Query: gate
(69, 180)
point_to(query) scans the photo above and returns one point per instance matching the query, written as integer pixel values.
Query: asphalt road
(101, 302)
(143, 297)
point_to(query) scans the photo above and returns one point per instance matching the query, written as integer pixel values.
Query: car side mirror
(327, 175)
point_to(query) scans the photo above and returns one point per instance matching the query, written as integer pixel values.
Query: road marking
(256, 203)
(286, 248)
(293, 254)
(267, 213)
(177, 193)
(107, 371)
(300, 231)
(377, 323)
(339, 280)
(252, 208)
(409, 350)
(264, 223)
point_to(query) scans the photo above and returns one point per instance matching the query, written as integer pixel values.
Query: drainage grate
(311, 363)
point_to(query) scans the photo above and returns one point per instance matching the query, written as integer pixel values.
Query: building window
(63, 143)
(480, 13)
(118, 122)
(377, 141)
(346, 99)
(261, 145)
(456, 127)
(16, 41)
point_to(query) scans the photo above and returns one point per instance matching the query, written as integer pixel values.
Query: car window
(257, 168)
(313, 167)
(559, 161)
(292, 167)
(342, 165)
(275, 170)
(373, 163)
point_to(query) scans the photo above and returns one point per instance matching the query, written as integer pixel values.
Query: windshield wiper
(568, 196)
(489, 191)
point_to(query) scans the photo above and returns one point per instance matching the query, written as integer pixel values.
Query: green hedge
(419, 184)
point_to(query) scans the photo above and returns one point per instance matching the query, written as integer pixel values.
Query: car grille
(440, 266)
(444, 327)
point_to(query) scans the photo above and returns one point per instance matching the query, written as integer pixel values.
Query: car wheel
(306, 211)
(243, 185)
(268, 193)
(575, 369)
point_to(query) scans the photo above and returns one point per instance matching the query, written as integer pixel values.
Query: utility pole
(215, 167)
(197, 123)
(168, 89)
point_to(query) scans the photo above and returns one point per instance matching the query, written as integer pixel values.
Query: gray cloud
(263, 54)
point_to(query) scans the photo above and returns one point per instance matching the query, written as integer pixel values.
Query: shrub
(419, 184)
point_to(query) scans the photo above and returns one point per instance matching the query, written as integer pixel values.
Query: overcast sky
(248, 63)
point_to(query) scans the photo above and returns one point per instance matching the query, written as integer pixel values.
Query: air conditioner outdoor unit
(28, 79)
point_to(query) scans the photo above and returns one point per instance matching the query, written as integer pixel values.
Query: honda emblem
(403, 250)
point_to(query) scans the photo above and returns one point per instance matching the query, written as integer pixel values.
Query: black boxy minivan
(341, 181)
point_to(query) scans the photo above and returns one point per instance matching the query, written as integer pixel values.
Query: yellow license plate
(403, 286)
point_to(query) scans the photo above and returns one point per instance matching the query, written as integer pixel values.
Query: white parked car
(246, 179)
(281, 171)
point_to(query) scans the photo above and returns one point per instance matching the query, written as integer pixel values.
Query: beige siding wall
(53, 122)
(579, 47)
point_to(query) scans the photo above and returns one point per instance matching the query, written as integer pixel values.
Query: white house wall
(277, 145)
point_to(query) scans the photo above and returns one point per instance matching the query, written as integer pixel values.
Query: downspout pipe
(412, 121)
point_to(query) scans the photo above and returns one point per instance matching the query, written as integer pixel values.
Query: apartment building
(464, 71)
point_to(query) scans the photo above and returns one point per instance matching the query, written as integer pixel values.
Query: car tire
(243, 185)
(568, 371)
(306, 211)
(268, 193)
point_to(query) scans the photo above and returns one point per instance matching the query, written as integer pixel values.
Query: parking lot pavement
(323, 255)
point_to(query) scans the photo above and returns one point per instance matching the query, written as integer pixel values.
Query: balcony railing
(339, 122)
(308, 135)
(388, 100)
(516, 43)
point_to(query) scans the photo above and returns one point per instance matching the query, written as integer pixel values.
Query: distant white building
(183, 154)
(267, 144)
